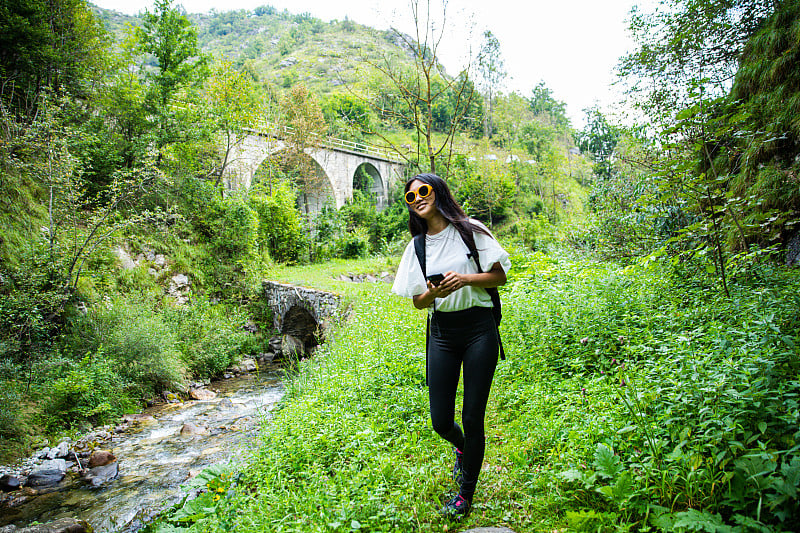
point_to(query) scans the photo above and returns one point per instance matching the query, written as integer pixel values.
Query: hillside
(283, 49)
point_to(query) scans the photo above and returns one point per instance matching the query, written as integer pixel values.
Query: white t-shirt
(445, 252)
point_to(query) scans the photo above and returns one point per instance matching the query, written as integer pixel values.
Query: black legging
(468, 337)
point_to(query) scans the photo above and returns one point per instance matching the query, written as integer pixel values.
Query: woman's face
(423, 207)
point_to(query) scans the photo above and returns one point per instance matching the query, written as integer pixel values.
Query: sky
(571, 45)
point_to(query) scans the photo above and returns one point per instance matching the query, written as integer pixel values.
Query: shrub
(232, 262)
(280, 226)
(139, 345)
(93, 391)
(32, 301)
(9, 428)
(697, 392)
(210, 336)
(353, 245)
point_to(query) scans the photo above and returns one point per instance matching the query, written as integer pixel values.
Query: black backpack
(494, 294)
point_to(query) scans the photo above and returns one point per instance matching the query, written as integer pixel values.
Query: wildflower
(614, 361)
(622, 382)
(584, 340)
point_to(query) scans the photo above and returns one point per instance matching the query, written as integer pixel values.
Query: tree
(599, 138)
(48, 45)
(419, 90)
(547, 109)
(233, 105)
(491, 72)
(347, 115)
(169, 36)
(304, 127)
(685, 46)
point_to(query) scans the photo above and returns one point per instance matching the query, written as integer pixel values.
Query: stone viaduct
(337, 160)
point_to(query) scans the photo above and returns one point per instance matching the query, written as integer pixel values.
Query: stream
(155, 459)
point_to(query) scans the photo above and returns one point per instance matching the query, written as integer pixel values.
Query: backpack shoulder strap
(419, 248)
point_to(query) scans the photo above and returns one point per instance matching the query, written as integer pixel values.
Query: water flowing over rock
(155, 460)
(63, 525)
(190, 429)
(101, 475)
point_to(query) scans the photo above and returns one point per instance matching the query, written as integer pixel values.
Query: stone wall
(281, 297)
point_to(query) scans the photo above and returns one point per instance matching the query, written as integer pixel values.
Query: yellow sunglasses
(423, 192)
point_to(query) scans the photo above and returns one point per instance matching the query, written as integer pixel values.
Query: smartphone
(436, 278)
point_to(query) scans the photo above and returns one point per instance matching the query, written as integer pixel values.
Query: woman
(462, 327)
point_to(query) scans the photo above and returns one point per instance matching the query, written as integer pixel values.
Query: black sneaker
(458, 467)
(457, 508)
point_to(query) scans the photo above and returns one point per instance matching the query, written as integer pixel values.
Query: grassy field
(628, 402)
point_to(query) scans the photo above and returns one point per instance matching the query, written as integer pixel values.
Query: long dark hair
(447, 206)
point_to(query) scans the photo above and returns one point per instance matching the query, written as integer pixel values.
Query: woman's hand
(451, 283)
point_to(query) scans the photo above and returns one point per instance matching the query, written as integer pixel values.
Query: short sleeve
(409, 281)
(489, 250)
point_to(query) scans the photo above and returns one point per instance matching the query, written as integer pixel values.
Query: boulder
(101, 475)
(248, 365)
(62, 450)
(202, 394)
(190, 429)
(47, 474)
(265, 358)
(160, 260)
(124, 258)
(275, 345)
(101, 458)
(292, 347)
(170, 397)
(180, 280)
(226, 403)
(9, 483)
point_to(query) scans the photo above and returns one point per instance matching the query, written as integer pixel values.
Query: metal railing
(281, 132)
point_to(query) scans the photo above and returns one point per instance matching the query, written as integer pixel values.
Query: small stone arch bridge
(301, 312)
(338, 161)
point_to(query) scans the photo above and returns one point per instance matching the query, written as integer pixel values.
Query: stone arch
(367, 178)
(301, 324)
(314, 191)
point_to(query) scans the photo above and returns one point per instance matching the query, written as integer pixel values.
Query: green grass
(696, 432)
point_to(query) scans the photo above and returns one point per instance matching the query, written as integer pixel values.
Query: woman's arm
(453, 281)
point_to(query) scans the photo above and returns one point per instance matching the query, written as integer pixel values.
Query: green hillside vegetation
(651, 315)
